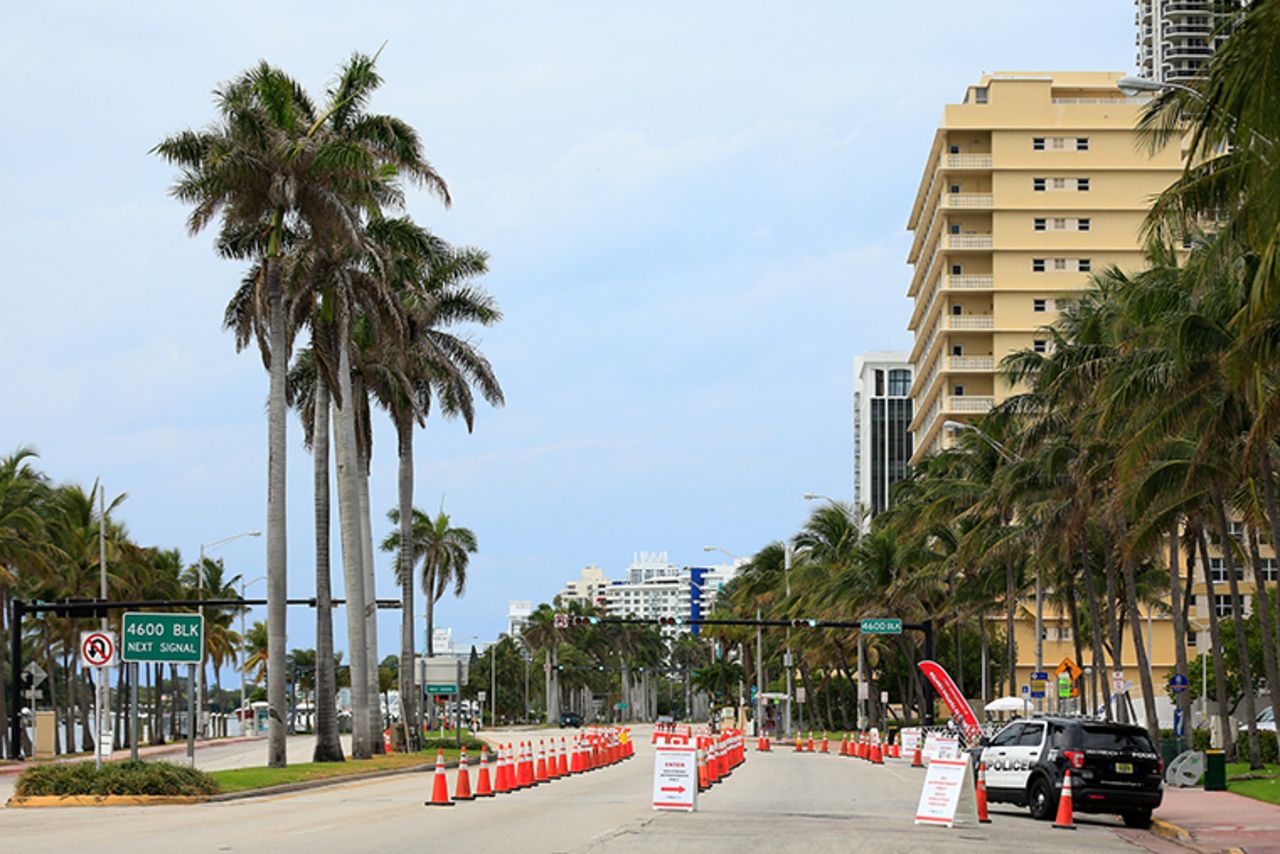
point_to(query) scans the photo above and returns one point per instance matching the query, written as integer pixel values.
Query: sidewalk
(145, 750)
(1218, 821)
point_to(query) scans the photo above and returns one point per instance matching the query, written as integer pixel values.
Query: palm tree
(445, 552)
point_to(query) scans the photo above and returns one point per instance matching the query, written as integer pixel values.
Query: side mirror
(984, 742)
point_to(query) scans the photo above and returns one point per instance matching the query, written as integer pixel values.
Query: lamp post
(243, 658)
(1010, 456)
(200, 687)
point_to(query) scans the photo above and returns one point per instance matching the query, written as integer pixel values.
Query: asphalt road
(780, 801)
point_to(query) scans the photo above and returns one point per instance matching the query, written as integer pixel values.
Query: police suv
(1114, 767)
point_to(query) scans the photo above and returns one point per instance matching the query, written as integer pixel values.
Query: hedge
(471, 743)
(115, 778)
(1266, 740)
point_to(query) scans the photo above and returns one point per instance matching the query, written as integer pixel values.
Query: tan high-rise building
(1031, 183)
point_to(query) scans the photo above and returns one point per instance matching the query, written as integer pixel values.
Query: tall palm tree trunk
(277, 555)
(328, 746)
(1215, 644)
(1178, 615)
(352, 549)
(1237, 623)
(1273, 518)
(1264, 619)
(1011, 644)
(370, 597)
(1095, 621)
(404, 484)
(1140, 650)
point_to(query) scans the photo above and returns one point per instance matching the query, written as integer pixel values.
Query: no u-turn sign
(98, 648)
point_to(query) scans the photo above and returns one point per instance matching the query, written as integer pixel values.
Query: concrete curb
(304, 785)
(1172, 832)
(143, 753)
(35, 801)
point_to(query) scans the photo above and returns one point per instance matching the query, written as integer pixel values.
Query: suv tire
(1140, 819)
(1040, 799)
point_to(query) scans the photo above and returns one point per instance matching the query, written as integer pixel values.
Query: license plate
(1124, 767)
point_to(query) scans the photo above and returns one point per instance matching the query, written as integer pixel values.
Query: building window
(1037, 143)
(955, 149)
(1082, 184)
(1084, 265)
(980, 94)
(955, 228)
(957, 310)
(1059, 223)
(1059, 183)
(958, 391)
(1040, 345)
(1059, 264)
(1082, 143)
(1225, 606)
(1191, 638)
(954, 188)
(1037, 265)
(1039, 224)
(1082, 224)
(957, 269)
(899, 382)
(1037, 184)
(957, 349)
(1269, 569)
(879, 383)
(1039, 305)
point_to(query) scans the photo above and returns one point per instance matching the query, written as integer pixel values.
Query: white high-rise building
(518, 613)
(1176, 38)
(655, 588)
(881, 418)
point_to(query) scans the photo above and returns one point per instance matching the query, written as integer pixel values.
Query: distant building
(655, 588)
(518, 613)
(1176, 40)
(881, 427)
(589, 589)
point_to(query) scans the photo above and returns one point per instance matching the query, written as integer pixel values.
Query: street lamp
(200, 688)
(1135, 86)
(243, 659)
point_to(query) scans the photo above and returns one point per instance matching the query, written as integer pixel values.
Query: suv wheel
(1140, 819)
(1040, 799)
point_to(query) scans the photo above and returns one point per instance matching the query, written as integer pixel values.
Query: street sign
(97, 648)
(1178, 683)
(947, 798)
(884, 698)
(1179, 723)
(482, 695)
(1038, 680)
(163, 638)
(36, 672)
(442, 689)
(1117, 681)
(675, 776)
(1064, 686)
(560, 621)
(882, 626)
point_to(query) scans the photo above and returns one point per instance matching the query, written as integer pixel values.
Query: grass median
(1263, 785)
(245, 779)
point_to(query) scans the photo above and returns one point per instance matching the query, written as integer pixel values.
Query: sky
(696, 216)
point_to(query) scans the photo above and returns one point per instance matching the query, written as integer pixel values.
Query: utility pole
(104, 689)
(759, 699)
(786, 657)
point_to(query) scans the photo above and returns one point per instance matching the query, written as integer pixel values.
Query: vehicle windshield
(1267, 715)
(1110, 738)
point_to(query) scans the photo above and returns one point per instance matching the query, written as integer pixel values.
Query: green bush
(471, 743)
(1266, 740)
(1201, 739)
(115, 778)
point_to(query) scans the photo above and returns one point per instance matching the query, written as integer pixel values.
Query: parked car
(572, 719)
(666, 719)
(1114, 767)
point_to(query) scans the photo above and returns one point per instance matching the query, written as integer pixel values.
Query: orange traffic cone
(576, 765)
(704, 778)
(503, 781)
(562, 765)
(810, 747)
(440, 787)
(799, 744)
(875, 754)
(844, 744)
(462, 786)
(540, 770)
(1064, 820)
(983, 817)
(823, 747)
(917, 761)
(484, 786)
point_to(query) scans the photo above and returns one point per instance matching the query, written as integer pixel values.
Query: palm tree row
(312, 196)
(1145, 436)
(49, 551)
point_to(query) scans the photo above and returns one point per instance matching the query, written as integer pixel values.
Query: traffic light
(804, 624)
(584, 621)
(670, 621)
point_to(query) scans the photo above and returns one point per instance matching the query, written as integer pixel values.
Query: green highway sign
(163, 638)
(442, 689)
(882, 626)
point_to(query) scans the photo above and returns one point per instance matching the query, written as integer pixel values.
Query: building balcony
(966, 161)
(969, 241)
(1187, 51)
(1142, 99)
(1204, 8)
(960, 364)
(1185, 29)
(970, 404)
(970, 283)
(966, 322)
(966, 200)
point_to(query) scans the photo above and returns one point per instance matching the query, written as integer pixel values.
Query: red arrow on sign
(673, 788)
